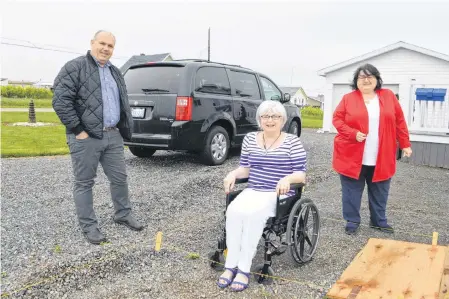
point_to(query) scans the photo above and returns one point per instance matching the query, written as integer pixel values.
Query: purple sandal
(227, 281)
(244, 285)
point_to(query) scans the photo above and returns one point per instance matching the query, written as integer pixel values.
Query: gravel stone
(177, 195)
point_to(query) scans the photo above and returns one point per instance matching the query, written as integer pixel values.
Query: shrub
(12, 91)
(312, 111)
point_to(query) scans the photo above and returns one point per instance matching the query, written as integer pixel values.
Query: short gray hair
(101, 31)
(275, 107)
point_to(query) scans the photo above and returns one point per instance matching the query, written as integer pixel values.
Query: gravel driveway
(173, 193)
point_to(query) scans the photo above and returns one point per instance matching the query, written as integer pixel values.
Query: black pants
(352, 191)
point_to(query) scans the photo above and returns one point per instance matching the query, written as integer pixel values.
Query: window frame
(272, 83)
(234, 93)
(207, 92)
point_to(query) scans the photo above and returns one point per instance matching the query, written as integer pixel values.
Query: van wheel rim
(219, 146)
(294, 130)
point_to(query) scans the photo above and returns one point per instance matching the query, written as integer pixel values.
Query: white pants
(246, 218)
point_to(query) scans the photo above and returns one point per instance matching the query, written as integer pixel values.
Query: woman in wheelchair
(271, 160)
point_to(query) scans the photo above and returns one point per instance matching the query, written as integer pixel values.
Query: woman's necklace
(264, 144)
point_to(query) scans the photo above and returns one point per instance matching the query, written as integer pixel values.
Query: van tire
(295, 128)
(142, 152)
(216, 137)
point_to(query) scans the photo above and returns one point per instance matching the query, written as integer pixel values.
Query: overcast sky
(275, 38)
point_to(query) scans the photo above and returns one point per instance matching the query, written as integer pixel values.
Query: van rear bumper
(183, 136)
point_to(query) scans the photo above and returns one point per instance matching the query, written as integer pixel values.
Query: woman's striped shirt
(268, 167)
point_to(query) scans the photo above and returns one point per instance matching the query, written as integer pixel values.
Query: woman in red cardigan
(369, 122)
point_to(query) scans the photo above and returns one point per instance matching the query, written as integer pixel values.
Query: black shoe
(94, 236)
(386, 228)
(351, 230)
(130, 222)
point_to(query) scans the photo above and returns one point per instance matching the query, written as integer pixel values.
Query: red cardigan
(351, 116)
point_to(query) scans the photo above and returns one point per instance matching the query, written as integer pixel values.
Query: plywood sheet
(444, 288)
(386, 269)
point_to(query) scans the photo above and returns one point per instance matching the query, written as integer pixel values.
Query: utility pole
(208, 45)
(291, 77)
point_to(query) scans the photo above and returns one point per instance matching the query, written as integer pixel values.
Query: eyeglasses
(370, 77)
(273, 117)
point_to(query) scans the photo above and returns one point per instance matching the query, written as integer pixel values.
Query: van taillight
(184, 108)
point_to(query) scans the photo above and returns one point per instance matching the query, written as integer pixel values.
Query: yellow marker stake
(435, 239)
(158, 245)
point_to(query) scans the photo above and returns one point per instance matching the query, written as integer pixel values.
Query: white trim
(169, 55)
(429, 138)
(325, 71)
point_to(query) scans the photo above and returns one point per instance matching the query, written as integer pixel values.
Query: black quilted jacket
(78, 102)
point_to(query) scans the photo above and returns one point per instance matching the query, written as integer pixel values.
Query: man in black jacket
(90, 98)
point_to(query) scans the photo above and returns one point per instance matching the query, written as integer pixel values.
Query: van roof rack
(207, 61)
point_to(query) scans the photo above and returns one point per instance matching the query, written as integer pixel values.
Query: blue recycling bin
(439, 94)
(430, 94)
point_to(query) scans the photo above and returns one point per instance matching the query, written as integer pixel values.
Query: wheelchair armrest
(296, 186)
(241, 181)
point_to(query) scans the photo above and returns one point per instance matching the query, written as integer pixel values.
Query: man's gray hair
(101, 31)
(273, 106)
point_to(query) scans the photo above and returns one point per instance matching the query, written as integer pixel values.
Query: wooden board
(386, 269)
(444, 288)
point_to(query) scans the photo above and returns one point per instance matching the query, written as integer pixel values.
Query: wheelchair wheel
(217, 260)
(265, 280)
(303, 231)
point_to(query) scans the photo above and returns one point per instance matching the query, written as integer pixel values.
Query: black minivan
(198, 106)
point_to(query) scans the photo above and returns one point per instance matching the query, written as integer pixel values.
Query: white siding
(400, 67)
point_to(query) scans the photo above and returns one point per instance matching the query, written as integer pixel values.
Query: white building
(404, 68)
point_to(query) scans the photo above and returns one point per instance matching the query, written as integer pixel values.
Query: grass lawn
(24, 103)
(312, 122)
(45, 117)
(19, 141)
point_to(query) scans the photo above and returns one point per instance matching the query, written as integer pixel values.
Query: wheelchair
(295, 227)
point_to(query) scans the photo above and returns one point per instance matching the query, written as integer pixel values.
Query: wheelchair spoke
(308, 240)
(301, 247)
(306, 215)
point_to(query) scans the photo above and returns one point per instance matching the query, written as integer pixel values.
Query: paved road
(26, 109)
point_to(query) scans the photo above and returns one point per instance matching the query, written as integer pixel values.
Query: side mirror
(276, 98)
(285, 98)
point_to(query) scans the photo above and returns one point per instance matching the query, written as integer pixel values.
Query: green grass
(57, 249)
(193, 256)
(45, 117)
(18, 141)
(24, 103)
(312, 122)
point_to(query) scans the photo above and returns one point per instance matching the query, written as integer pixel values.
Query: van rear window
(153, 79)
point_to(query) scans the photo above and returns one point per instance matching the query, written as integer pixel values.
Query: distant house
(316, 101)
(41, 84)
(142, 58)
(3, 81)
(21, 83)
(301, 99)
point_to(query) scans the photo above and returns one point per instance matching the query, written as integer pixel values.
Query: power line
(48, 49)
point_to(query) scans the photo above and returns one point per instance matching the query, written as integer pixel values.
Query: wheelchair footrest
(278, 248)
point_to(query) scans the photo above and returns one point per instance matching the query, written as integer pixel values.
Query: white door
(339, 90)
